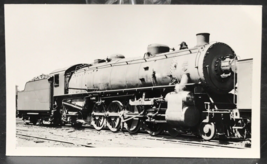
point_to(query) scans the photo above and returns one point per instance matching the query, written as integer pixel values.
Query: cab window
(56, 80)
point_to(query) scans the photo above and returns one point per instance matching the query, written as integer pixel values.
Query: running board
(71, 105)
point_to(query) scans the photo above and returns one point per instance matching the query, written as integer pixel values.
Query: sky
(42, 38)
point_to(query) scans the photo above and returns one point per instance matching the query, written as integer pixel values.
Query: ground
(67, 136)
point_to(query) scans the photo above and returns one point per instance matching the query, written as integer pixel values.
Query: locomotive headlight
(227, 67)
(226, 64)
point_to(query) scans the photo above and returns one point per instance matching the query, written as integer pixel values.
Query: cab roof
(70, 68)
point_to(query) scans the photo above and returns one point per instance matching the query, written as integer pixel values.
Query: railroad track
(53, 140)
(181, 140)
(201, 143)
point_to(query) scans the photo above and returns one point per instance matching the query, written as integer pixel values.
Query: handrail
(169, 55)
(128, 89)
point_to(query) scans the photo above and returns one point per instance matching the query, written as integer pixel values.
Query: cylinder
(203, 38)
(181, 111)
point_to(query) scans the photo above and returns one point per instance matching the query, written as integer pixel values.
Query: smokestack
(203, 38)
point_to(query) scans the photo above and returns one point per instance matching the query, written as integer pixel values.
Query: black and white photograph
(144, 81)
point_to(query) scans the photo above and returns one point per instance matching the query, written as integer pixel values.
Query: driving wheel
(134, 124)
(98, 120)
(113, 119)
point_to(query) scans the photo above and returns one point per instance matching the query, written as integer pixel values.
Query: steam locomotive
(204, 90)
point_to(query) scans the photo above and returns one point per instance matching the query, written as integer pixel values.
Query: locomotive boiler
(189, 90)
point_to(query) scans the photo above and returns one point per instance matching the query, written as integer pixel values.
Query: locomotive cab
(61, 78)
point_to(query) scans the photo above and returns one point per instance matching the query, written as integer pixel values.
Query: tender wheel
(114, 122)
(33, 120)
(40, 122)
(133, 125)
(99, 122)
(26, 120)
(26, 123)
(207, 131)
(154, 129)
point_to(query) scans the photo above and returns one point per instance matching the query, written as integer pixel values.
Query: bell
(183, 46)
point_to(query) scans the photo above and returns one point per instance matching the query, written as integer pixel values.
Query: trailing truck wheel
(26, 122)
(98, 122)
(114, 122)
(154, 129)
(207, 131)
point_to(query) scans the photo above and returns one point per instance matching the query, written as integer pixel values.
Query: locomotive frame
(148, 102)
